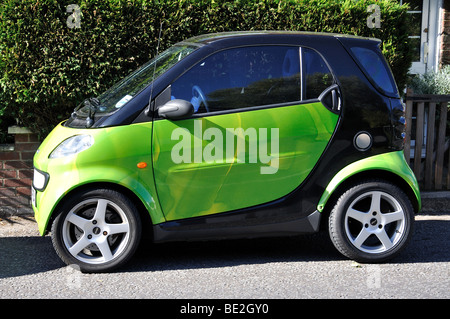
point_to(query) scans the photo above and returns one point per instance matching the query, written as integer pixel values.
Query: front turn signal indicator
(141, 165)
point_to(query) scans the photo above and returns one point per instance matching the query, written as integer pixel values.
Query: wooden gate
(427, 139)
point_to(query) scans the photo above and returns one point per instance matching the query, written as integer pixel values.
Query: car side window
(376, 68)
(240, 78)
(316, 74)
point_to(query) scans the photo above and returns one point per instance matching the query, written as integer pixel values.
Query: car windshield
(124, 90)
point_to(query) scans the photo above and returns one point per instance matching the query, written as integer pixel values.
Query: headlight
(72, 145)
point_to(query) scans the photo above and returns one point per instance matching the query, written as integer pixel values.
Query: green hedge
(47, 68)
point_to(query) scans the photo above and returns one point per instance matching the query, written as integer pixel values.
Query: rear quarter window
(372, 62)
(316, 74)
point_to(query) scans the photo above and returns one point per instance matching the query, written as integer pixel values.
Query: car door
(257, 130)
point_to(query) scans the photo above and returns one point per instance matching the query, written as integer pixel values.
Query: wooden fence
(427, 139)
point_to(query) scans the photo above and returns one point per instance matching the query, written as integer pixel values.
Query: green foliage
(47, 68)
(432, 82)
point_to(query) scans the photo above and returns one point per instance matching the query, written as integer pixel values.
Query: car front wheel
(97, 230)
(371, 222)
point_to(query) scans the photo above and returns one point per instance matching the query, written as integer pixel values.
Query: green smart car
(233, 135)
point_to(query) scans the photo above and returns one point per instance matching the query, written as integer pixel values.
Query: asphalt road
(286, 268)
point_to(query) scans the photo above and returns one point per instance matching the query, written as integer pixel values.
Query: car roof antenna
(149, 107)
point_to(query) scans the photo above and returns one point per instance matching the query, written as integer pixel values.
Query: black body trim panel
(234, 225)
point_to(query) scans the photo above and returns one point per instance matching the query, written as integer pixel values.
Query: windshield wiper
(92, 104)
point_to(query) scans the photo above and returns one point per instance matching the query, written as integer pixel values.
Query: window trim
(302, 82)
(252, 108)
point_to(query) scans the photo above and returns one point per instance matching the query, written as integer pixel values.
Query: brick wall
(445, 32)
(16, 172)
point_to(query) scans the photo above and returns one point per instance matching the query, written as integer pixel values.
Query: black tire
(97, 230)
(371, 222)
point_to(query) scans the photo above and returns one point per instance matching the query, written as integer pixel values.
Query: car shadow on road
(429, 244)
(226, 253)
(21, 256)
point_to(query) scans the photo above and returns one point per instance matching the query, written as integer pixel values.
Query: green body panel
(393, 162)
(112, 158)
(207, 182)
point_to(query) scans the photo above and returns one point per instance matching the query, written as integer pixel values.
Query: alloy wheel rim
(96, 231)
(375, 222)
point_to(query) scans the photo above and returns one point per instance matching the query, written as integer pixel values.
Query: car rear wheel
(371, 222)
(97, 230)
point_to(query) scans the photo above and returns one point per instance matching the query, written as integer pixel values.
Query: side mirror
(176, 109)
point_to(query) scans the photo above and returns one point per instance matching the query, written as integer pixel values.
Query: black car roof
(276, 36)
